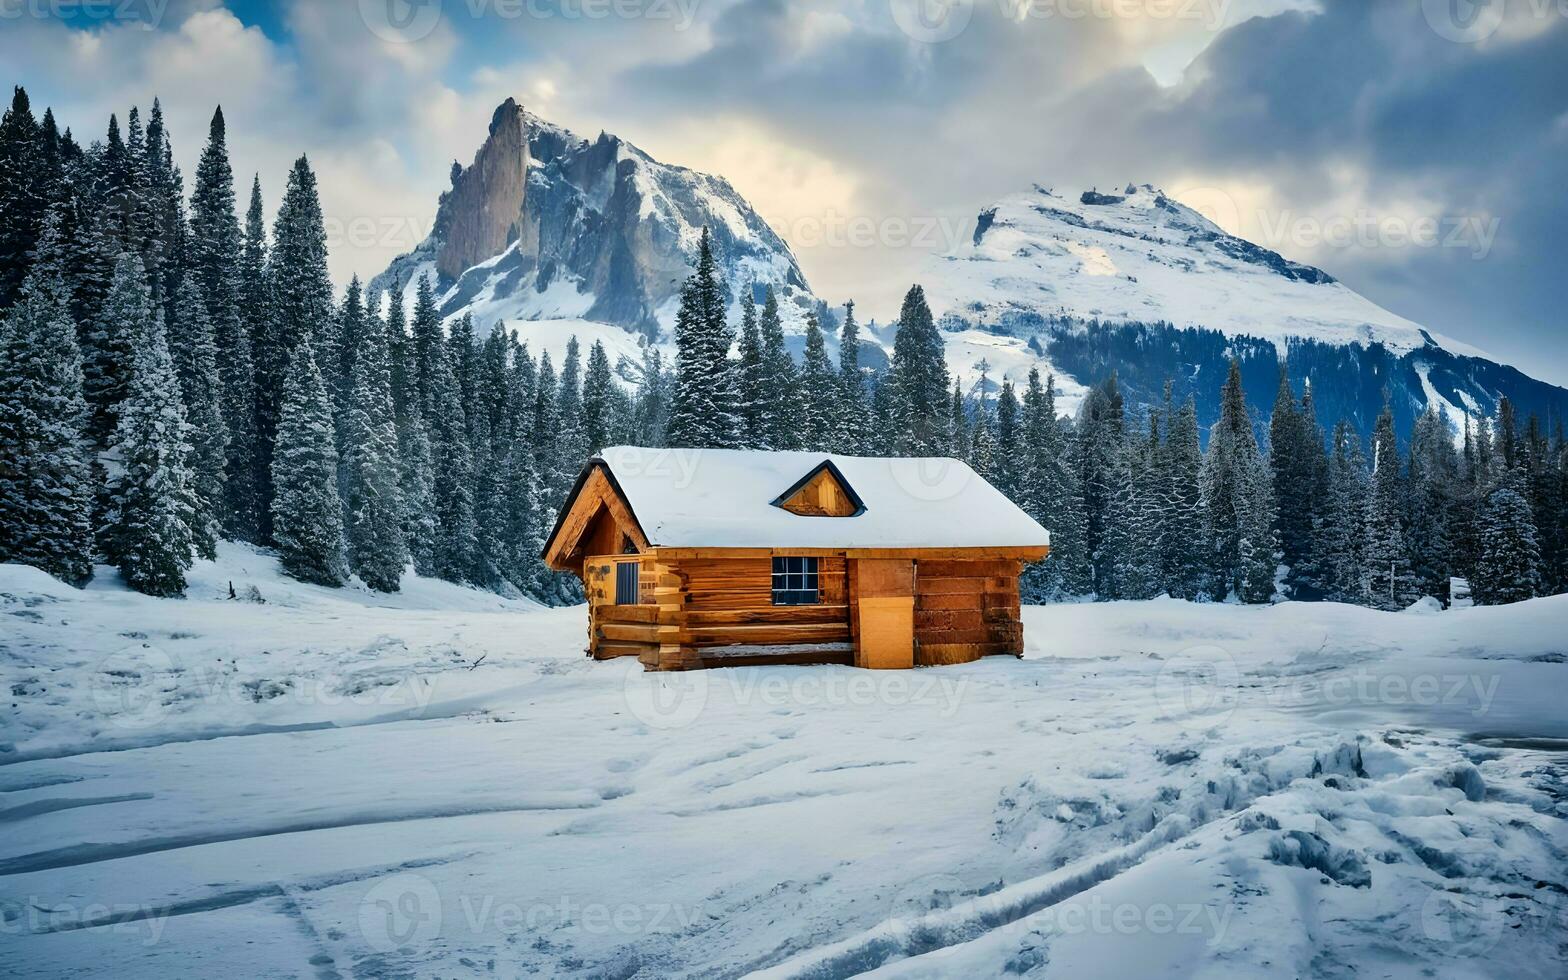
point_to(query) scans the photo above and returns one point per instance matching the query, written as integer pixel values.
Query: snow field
(335, 783)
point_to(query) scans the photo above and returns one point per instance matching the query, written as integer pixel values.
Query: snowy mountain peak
(545, 224)
(1136, 255)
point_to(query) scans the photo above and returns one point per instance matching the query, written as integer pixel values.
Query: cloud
(1304, 112)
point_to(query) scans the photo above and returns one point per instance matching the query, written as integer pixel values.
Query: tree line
(172, 373)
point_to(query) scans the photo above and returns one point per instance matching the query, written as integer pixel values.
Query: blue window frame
(795, 581)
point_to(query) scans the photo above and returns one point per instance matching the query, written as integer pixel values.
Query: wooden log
(606, 650)
(767, 634)
(627, 614)
(936, 654)
(959, 568)
(632, 632)
(925, 585)
(771, 614)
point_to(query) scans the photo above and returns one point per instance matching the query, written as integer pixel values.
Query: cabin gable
(823, 492)
(598, 520)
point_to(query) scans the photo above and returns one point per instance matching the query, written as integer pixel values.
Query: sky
(1415, 149)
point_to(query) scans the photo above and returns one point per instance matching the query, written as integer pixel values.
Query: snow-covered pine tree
(22, 200)
(1508, 569)
(416, 476)
(598, 400)
(301, 288)
(920, 407)
(1433, 482)
(1100, 447)
(1008, 442)
(819, 388)
(957, 424)
(704, 408)
(453, 484)
(1386, 556)
(653, 400)
(571, 439)
(1339, 537)
(1184, 522)
(195, 354)
(1136, 509)
(374, 526)
(1543, 481)
(490, 425)
(352, 327)
(1238, 502)
(982, 451)
(45, 479)
(307, 515)
(780, 382)
(109, 350)
(854, 410)
(750, 379)
(252, 494)
(147, 527)
(1051, 495)
(1290, 463)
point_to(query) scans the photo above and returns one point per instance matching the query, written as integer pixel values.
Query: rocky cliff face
(547, 225)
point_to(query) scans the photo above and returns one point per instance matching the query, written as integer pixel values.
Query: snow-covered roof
(723, 498)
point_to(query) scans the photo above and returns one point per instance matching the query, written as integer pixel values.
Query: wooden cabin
(703, 558)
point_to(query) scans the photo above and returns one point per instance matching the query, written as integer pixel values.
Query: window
(626, 583)
(794, 581)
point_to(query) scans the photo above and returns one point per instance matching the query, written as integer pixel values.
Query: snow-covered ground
(335, 784)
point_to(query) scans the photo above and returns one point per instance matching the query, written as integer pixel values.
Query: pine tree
(1509, 565)
(22, 200)
(571, 438)
(45, 477)
(1100, 450)
(109, 351)
(1185, 521)
(1052, 496)
(704, 410)
(147, 527)
(374, 526)
(1238, 502)
(1339, 537)
(1290, 464)
(1433, 483)
(195, 356)
(302, 307)
(307, 515)
(1008, 442)
(854, 412)
(598, 400)
(957, 437)
(919, 409)
(982, 452)
(653, 399)
(819, 388)
(452, 459)
(1387, 560)
(750, 378)
(352, 329)
(252, 415)
(780, 387)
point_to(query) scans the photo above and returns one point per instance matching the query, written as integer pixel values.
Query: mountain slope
(1086, 283)
(547, 225)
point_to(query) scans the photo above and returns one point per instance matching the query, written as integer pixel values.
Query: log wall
(965, 610)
